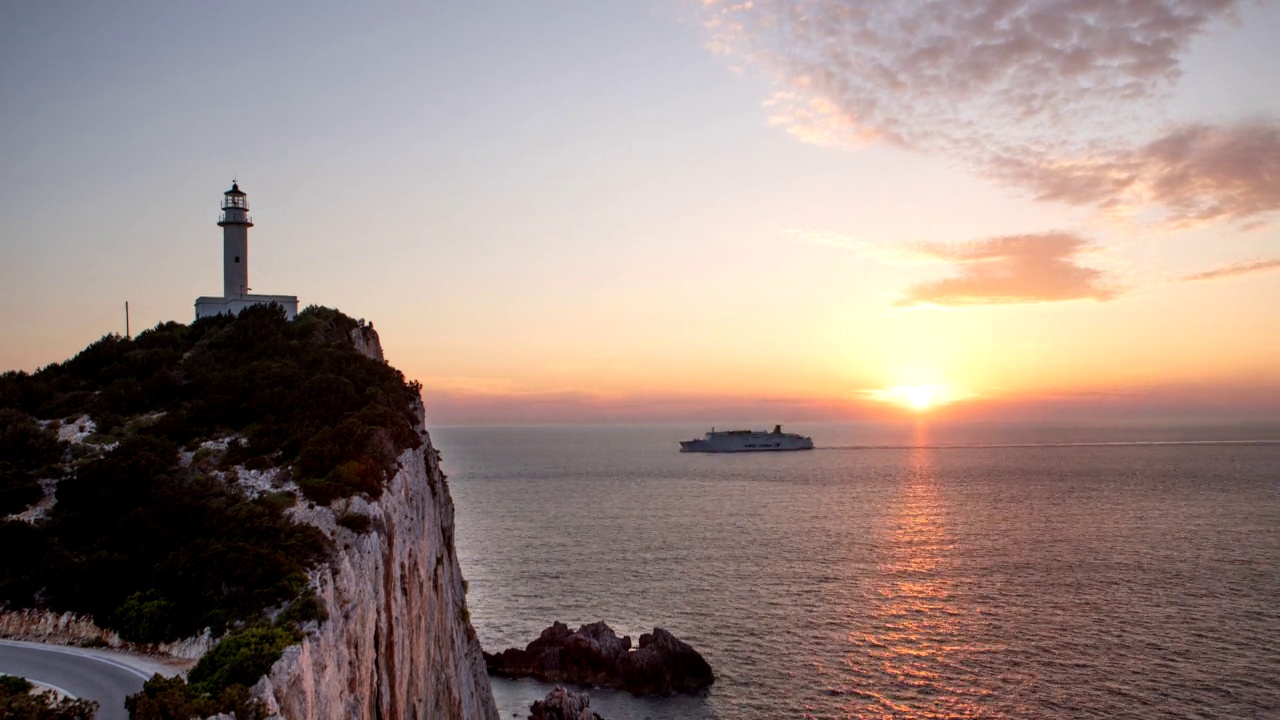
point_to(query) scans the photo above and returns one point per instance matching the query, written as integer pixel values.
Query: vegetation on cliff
(151, 532)
(19, 702)
(292, 392)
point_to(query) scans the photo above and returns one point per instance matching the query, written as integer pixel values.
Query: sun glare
(919, 398)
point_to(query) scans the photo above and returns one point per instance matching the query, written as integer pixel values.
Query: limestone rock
(561, 704)
(365, 339)
(595, 655)
(397, 643)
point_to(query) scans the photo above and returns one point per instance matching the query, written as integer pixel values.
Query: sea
(893, 572)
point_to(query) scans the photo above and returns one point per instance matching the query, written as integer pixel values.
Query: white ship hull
(747, 441)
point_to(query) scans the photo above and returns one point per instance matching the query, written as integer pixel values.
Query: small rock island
(596, 656)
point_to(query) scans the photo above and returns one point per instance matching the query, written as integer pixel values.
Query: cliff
(188, 484)
(398, 642)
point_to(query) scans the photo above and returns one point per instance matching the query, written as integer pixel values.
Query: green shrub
(306, 608)
(321, 492)
(27, 451)
(357, 523)
(145, 617)
(17, 703)
(168, 699)
(279, 501)
(240, 658)
(173, 699)
(29, 562)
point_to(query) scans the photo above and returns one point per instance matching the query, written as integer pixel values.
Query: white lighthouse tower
(235, 223)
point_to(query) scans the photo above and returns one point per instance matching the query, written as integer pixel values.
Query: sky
(676, 209)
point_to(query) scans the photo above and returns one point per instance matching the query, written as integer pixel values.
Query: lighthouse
(235, 223)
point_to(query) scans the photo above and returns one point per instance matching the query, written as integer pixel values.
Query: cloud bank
(1031, 92)
(1013, 269)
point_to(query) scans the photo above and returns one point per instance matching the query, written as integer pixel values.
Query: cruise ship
(747, 441)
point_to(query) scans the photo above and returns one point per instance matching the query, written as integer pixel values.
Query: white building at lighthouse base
(210, 306)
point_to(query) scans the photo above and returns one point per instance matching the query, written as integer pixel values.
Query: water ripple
(1106, 581)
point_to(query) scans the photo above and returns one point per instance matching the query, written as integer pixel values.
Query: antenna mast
(127, 336)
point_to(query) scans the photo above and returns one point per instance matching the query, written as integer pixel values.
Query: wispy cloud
(1246, 267)
(888, 253)
(1012, 269)
(1031, 92)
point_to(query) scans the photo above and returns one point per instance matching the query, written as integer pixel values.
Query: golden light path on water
(912, 625)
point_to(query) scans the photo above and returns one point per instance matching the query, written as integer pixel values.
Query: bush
(357, 523)
(144, 617)
(29, 562)
(240, 658)
(306, 608)
(168, 699)
(173, 699)
(17, 703)
(27, 452)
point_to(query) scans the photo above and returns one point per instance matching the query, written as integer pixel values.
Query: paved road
(82, 673)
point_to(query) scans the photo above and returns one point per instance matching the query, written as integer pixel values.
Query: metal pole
(127, 336)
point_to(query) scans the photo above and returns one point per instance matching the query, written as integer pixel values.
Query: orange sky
(678, 210)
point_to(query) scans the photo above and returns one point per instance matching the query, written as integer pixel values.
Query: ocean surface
(891, 573)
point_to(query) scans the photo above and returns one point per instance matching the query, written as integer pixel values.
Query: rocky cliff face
(365, 339)
(398, 642)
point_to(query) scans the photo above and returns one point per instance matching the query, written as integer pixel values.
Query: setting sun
(920, 398)
(914, 397)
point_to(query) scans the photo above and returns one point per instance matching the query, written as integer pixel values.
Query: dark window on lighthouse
(237, 258)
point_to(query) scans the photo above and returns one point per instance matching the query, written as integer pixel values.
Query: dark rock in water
(561, 704)
(594, 655)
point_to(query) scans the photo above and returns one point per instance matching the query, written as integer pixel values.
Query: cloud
(1012, 269)
(1196, 172)
(915, 69)
(886, 252)
(1204, 172)
(1043, 94)
(1246, 267)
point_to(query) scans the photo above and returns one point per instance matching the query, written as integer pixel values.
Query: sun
(917, 398)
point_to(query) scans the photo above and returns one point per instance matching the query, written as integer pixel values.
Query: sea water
(1007, 573)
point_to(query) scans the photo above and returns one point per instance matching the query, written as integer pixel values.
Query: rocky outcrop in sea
(562, 704)
(595, 656)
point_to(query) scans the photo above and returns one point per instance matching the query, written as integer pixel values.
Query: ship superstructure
(747, 441)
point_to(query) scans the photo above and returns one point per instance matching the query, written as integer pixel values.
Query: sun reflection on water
(910, 632)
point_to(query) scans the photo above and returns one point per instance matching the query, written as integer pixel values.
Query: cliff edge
(398, 642)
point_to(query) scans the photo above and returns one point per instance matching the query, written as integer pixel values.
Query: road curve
(83, 673)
